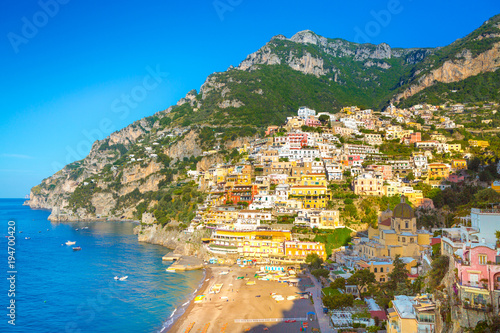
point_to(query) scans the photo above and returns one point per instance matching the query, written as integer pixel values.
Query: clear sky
(67, 65)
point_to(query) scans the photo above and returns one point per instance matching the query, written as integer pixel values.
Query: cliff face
(135, 166)
(178, 241)
(314, 50)
(456, 70)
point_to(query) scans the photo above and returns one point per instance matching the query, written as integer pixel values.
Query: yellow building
(298, 250)
(416, 197)
(312, 196)
(438, 170)
(262, 248)
(456, 147)
(294, 123)
(314, 179)
(221, 173)
(329, 219)
(479, 143)
(381, 268)
(230, 241)
(220, 216)
(396, 234)
(459, 164)
(410, 314)
(438, 137)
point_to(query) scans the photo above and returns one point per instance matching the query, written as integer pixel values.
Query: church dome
(403, 210)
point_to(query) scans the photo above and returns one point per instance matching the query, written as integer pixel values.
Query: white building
(304, 112)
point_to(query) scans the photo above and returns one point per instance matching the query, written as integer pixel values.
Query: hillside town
(345, 190)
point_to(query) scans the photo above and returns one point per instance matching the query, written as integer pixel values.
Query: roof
(403, 210)
(386, 222)
(404, 306)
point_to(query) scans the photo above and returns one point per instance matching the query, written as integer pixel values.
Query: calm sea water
(59, 290)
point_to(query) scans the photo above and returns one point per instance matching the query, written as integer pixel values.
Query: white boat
(123, 278)
(70, 243)
(116, 278)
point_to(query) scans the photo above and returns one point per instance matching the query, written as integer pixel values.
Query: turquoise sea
(61, 290)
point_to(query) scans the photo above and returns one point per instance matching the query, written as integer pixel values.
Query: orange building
(241, 193)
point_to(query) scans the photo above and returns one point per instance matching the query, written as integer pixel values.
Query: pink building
(478, 266)
(355, 160)
(385, 170)
(454, 178)
(313, 122)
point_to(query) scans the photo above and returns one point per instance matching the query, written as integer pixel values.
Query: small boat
(77, 248)
(116, 277)
(123, 278)
(76, 229)
(27, 237)
(70, 243)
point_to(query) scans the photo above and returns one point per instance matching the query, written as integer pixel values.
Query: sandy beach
(236, 301)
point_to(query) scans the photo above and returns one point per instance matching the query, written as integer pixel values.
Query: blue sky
(66, 64)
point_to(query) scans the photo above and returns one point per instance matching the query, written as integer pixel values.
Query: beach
(238, 306)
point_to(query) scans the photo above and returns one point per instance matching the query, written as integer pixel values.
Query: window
(381, 269)
(482, 259)
(406, 225)
(375, 270)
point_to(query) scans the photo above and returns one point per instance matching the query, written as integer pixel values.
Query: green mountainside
(140, 168)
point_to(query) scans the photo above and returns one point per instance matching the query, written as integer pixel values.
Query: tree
(438, 271)
(314, 261)
(399, 273)
(339, 283)
(320, 272)
(339, 301)
(410, 176)
(361, 278)
(324, 118)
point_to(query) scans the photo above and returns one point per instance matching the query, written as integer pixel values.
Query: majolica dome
(403, 210)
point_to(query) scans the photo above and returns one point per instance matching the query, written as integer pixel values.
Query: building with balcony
(369, 183)
(475, 253)
(411, 315)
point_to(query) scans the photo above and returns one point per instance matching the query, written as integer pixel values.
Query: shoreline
(176, 321)
(246, 303)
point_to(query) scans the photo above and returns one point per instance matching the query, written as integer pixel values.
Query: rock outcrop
(179, 241)
(464, 66)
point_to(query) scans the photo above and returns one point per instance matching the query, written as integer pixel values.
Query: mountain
(140, 168)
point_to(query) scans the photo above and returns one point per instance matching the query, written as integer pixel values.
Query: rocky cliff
(133, 170)
(179, 241)
(461, 68)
